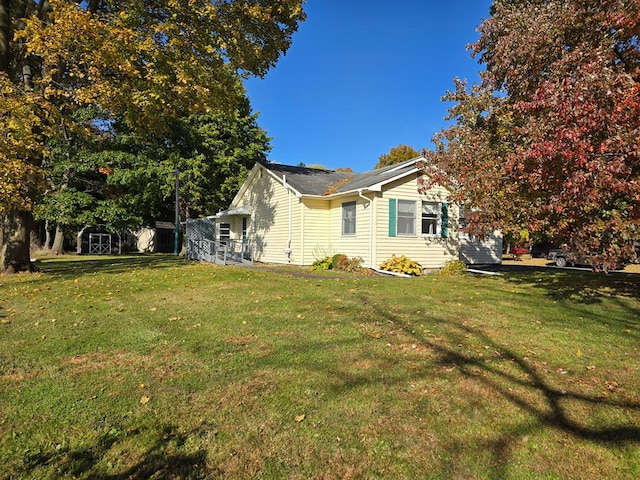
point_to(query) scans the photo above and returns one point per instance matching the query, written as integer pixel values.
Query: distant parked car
(541, 249)
(553, 253)
(562, 258)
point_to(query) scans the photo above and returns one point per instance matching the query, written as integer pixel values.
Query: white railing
(224, 253)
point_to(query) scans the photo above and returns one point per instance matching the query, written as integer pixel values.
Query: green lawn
(153, 367)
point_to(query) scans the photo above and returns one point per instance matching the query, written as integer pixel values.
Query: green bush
(454, 267)
(335, 260)
(322, 264)
(339, 261)
(401, 265)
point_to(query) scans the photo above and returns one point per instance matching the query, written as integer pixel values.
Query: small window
(462, 222)
(225, 232)
(406, 220)
(430, 218)
(349, 218)
(462, 217)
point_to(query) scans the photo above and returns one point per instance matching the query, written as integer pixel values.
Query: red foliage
(517, 252)
(556, 150)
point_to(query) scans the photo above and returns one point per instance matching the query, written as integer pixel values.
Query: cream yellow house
(298, 215)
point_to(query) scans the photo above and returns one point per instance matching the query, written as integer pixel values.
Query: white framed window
(406, 219)
(431, 219)
(349, 218)
(225, 232)
(245, 223)
(434, 218)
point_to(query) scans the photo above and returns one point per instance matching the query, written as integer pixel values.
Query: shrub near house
(401, 264)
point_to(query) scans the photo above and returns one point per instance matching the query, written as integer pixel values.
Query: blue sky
(364, 76)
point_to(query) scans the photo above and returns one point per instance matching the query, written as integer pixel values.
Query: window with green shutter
(435, 219)
(406, 218)
(430, 218)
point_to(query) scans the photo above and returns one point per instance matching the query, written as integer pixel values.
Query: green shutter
(444, 231)
(392, 217)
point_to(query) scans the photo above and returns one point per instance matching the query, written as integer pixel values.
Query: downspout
(287, 250)
(369, 201)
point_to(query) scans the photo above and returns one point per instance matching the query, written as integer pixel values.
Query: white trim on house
(294, 215)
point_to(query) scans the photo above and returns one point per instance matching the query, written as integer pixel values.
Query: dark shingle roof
(307, 181)
(313, 181)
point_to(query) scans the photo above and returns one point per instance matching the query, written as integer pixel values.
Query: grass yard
(152, 367)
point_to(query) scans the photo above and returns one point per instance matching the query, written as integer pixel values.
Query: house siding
(316, 232)
(429, 252)
(284, 228)
(269, 231)
(477, 252)
(351, 245)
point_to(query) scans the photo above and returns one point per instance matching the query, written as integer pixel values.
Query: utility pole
(176, 236)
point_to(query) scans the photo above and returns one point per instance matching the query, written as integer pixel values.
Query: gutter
(287, 250)
(370, 202)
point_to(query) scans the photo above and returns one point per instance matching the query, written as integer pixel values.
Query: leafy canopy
(397, 155)
(549, 141)
(144, 64)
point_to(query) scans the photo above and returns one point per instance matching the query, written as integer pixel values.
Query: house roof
(243, 210)
(307, 181)
(165, 225)
(317, 182)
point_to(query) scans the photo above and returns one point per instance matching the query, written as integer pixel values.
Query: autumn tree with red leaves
(550, 140)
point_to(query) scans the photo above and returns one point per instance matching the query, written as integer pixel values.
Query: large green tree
(126, 179)
(73, 177)
(145, 63)
(550, 141)
(212, 152)
(214, 155)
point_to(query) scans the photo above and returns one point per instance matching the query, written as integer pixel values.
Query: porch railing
(229, 252)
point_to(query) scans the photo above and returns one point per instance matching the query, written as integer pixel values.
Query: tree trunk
(16, 236)
(47, 236)
(5, 35)
(58, 241)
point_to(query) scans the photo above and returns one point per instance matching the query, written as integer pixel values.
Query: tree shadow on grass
(161, 458)
(523, 383)
(78, 266)
(579, 289)
(580, 285)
